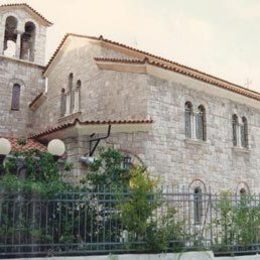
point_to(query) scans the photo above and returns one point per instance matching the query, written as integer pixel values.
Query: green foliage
(137, 199)
(159, 231)
(239, 221)
(107, 170)
(140, 203)
(165, 233)
(117, 200)
(22, 141)
(32, 171)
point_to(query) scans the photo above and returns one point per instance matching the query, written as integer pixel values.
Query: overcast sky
(220, 37)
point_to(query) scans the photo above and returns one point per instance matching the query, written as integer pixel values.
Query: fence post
(210, 216)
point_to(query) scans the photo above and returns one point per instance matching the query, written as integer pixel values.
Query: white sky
(220, 37)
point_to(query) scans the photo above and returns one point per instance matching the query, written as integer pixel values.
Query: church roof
(26, 6)
(37, 101)
(182, 70)
(20, 145)
(86, 123)
(146, 57)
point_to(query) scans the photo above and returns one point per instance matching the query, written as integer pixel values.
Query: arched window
(77, 96)
(63, 103)
(70, 93)
(70, 83)
(242, 189)
(68, 96)
(243, 196)
(198, 205)
(244, 133)
(188, 119)
(235, 127)
(78, 84)
(28, 42)
(242, 192)
(10, 37)
(201, 123)
(16, 97)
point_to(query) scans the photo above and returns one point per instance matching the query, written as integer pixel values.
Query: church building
(189, 128)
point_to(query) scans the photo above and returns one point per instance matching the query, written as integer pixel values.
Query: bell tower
(23, 33)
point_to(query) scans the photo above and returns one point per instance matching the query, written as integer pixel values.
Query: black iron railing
(92, 223)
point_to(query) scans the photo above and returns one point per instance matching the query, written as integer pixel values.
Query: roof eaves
(30, 8)
(131, 61)
(38, 101)
(27, 145)
(98, 122)
(166, 64)
(182, 70)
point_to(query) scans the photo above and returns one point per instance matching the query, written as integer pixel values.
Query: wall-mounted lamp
(5, 149)
(56, 147)
(87, 160)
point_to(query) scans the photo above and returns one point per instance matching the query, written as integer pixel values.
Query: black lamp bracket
(93, 143)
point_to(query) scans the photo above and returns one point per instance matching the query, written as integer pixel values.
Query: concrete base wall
(182, 256)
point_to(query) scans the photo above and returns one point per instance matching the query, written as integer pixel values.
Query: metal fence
(93, 223)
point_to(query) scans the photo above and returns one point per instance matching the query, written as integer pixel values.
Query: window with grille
(198, 205)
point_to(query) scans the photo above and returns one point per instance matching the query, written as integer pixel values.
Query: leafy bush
(107, 171)
(33, 172)
(111, 201)
(159, 231)
(137, 198)
(238, 223)
(139, 205)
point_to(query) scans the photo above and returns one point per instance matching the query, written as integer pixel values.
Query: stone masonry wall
(109, 95)
(105, 95)
(186, 163)
(18, 123)
(215, 162)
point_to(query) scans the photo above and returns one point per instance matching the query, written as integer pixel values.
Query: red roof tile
(29, 7)
(20, 145)
(137, 61)
(109, 122)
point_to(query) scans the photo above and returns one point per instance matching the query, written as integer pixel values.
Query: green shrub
(40, 174)
(239, 221)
